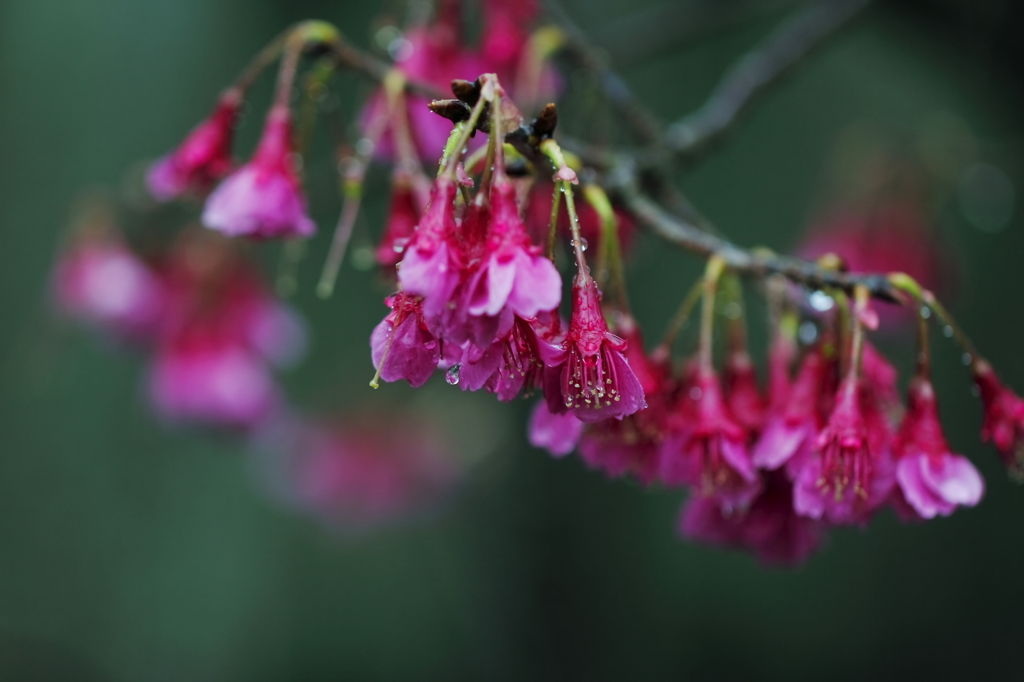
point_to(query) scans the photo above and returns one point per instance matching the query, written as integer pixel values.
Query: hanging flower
(931, 478)
(202, 159)
(263, 198)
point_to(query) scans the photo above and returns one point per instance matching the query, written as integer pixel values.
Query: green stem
(712, 273)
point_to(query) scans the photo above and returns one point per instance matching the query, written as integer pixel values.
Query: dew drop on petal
(452, 375)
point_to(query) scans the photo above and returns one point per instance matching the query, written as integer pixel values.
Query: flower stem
(610, 256)
(556, 202)
(551, 150)
(682, 315)
(712, 273)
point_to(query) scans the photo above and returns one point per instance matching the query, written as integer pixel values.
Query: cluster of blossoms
(477, 297)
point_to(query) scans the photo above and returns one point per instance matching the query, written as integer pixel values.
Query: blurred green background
(131, 552)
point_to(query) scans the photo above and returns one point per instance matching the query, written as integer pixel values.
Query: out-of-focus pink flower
(401, 345)
(770, 529)
(791, 429)
(433, 55)
(893, 238)
(707, 448)
(592, 379)
(404, 212)
(220, 333)
(202, 159)
(850, 474)
(263, 198)
(931, 478)
(745, 402)
(210, 379)
(99, 282)
(537, 216)
(359, 474)
(1004, 417)
(556, 433)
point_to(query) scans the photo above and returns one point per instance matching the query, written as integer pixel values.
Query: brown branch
(759, 263)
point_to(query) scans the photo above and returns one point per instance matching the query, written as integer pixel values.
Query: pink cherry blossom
(202, 159)
(262, 198)
(850, 474)
(707, 448)
(770, 529)
(99, 282)
(361, 473)
(556, 433)
(1003, 425)
(931, 478)
(592, 378)
(791, 428)
(401, 345)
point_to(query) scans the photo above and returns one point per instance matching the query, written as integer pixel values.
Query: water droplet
(966, 359)
(695, 393)
(583, 243)
(364, 147)
(400, 49)
(452, 375)
(926, 312)
(808, 332)
(399, 244)
(820, 301)
(947, 331)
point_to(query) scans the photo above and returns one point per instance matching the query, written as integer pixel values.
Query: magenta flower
(514, 363)
(431, 267)
(404, 211)
(512, 271)
(203, 378)
(592, 378)
(707, 449)
(632, 445)
(850, 473)
(745, 402)
(219, 335)
(931, 478)
(263, 198)
(792, 427)
(202, 159)
(99, 282)
(360, 474)
(769, 528)
(556, 433)
(401, 345)
(1004, 417)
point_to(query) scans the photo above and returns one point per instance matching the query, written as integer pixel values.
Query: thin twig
(745, 261)
(752, 75)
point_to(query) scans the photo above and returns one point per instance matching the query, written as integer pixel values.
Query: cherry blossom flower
(770, 529)
(358, 474)
(592, 378)
(402, 346)
(556, 433)
(850, 474)
(262, 198)
(100, 282)
(707, 448)
(1004, 417)
(931, 478)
